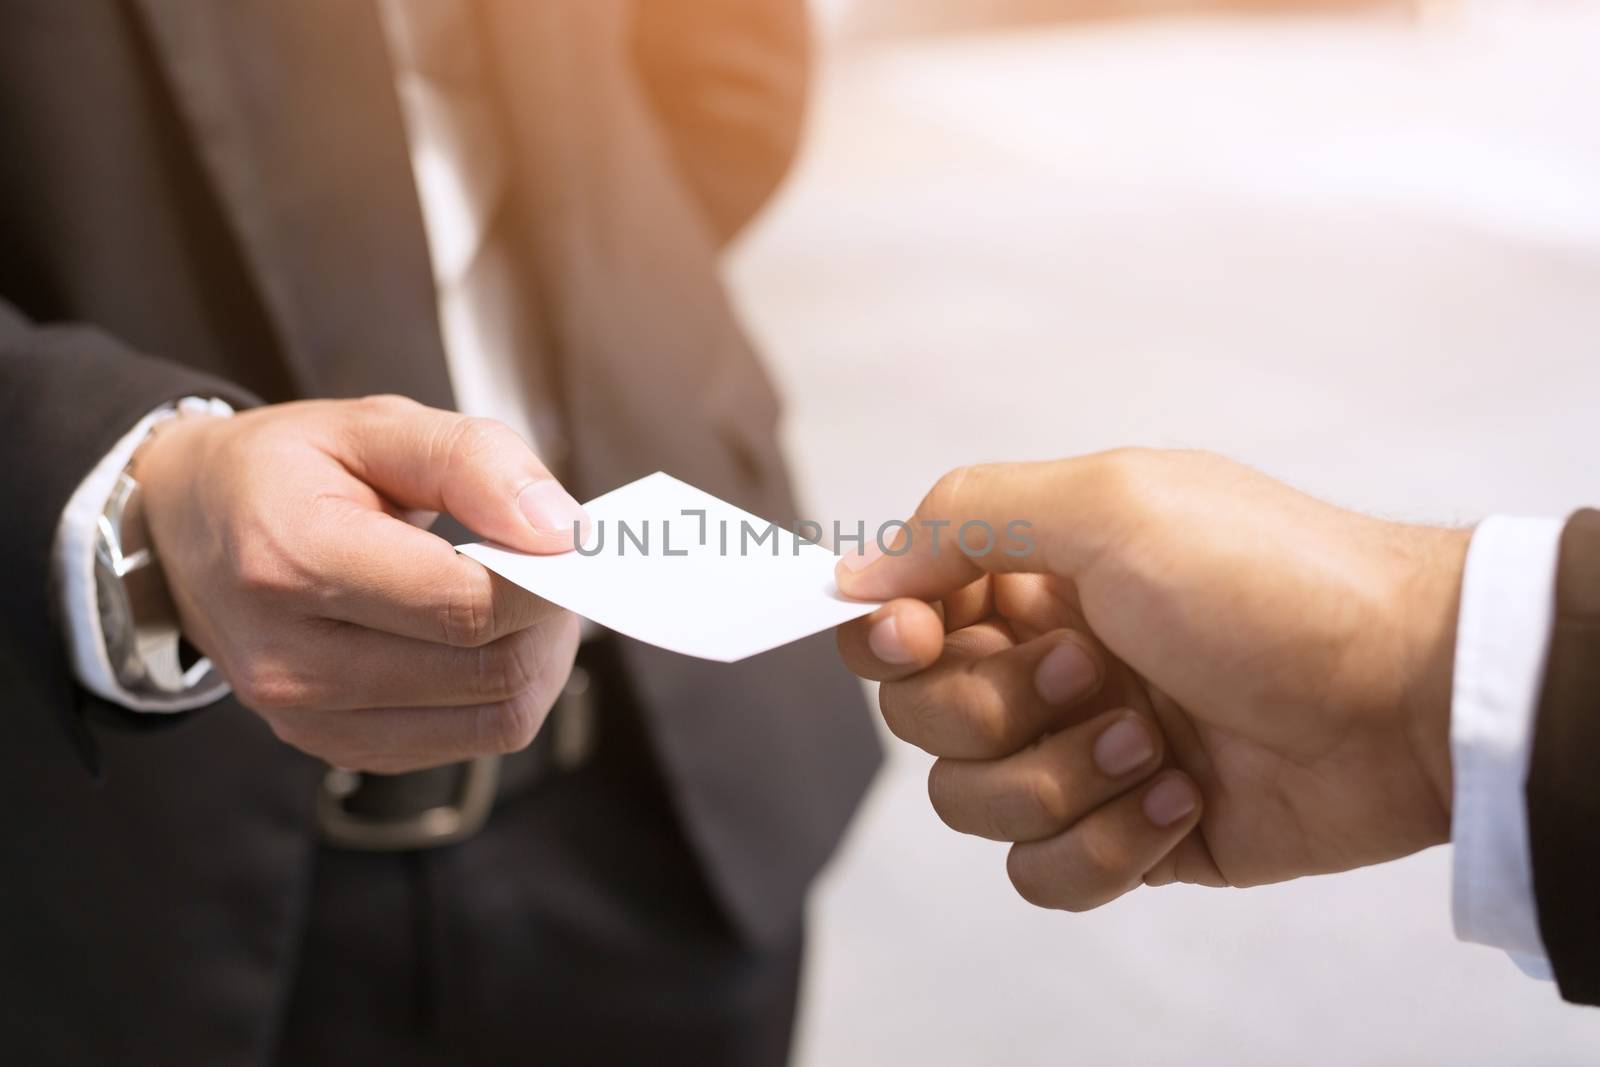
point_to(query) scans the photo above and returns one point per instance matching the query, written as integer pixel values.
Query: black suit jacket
(1563, 789)
(201, 198)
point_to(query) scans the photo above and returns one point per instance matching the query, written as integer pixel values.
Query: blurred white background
(1363, 254)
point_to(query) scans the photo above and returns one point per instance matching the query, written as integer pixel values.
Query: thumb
(1046, 518)
(478, 470)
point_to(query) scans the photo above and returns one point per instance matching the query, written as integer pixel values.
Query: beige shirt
(462, 177)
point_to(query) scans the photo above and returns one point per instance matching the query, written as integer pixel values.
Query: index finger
(478, 470)
(389, 575)
(1047, 517)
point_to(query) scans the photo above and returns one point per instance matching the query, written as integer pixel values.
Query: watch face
(116, 619)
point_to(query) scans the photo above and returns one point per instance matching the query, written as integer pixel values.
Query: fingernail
(550, 508)
(886, 643)
(1170, 801)
(1064, 673)
(856, 561)
(1124, 746)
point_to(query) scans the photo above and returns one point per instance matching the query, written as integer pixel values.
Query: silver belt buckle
(432, 828)
(571, 730)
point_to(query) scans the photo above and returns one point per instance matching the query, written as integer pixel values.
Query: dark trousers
(576, 928)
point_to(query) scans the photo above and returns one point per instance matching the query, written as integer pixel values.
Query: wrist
(139, 627)
(165, 465)
(170, 468)
(172, 446)
(1429, 599)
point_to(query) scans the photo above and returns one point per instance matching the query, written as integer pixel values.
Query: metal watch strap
(137, 619)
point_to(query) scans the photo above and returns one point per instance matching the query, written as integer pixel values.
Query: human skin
(292, 544)
(1198, 674)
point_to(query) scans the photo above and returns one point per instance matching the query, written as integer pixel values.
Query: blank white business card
(673, 566)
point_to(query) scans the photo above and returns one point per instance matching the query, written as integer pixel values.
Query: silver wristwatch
(137, 618)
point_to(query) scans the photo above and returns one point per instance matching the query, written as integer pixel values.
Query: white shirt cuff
(72, 561)
(1507, 605)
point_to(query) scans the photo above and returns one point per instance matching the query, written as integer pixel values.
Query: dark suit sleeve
(68, 393)
(1563, 788)
(728, 79)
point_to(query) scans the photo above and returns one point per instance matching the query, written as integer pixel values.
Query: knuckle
(958, 714)
(913, 713)
(268, 555)
(508, 667)
(261, 684)
(1048, 797)
(943, 498)
(892, 700)
(1027, 879)
(926, 715)
(1044, 887)
(468, 619)
(1129, 455)
(992, 726)
(389, 404)
(509, 726)
(1131, 479)
(259, 570)
(471, 438)
(1116, 473)
(1000, 818)
(993, 729)
(1103, 857)
(943, 792)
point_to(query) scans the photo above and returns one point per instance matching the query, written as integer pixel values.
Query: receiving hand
(288, 541)
(1196, 674)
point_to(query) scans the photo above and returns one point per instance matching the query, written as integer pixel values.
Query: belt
(444, 805)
